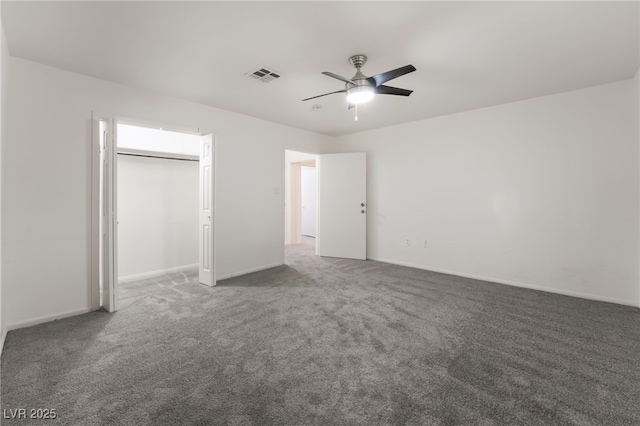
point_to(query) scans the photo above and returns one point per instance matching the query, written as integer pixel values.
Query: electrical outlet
(408, 241)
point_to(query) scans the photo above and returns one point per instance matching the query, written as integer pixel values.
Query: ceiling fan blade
(388, 90)
(337, 77)
(331, 93)
(380, 79)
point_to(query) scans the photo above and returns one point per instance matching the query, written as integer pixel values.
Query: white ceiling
(468, 54)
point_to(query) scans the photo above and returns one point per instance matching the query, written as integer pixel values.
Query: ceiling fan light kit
(359, 94)
(361, 89)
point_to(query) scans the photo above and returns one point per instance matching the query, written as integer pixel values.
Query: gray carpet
(331, 342)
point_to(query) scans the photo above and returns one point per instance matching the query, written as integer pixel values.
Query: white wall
(46, 159)
(157, 215)
(4, 55)
(541, 193)
(291, 157)
(636, 90)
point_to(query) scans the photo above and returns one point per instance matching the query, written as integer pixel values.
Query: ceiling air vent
(263, 74)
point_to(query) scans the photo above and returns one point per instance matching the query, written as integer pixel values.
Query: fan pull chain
(356, 112)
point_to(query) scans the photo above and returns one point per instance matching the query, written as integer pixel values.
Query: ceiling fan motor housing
(358, 79)
(359, 89)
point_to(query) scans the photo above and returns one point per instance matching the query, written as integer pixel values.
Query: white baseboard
(152, 274)
(514, 283)
(40, 320)
(2, 339)
(248, 271)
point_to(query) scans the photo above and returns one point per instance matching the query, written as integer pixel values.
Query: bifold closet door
(206, 269)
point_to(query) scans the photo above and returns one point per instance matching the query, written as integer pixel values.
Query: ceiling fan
(360, 88)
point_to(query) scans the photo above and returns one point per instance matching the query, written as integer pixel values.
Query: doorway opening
(301, 195)
(153, 206)
(339, 213)
(157, 202)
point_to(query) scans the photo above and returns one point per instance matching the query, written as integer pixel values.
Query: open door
(109, 221)
(342, 219)
(206, 269)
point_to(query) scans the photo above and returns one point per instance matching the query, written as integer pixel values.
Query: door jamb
(94, 301)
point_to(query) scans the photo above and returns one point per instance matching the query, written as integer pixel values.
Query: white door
(109, 224)
(308, 196)
(342, 219)
(206, 270)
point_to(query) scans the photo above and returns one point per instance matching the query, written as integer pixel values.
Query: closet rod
(157, 156)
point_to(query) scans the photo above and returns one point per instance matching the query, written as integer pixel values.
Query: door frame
(95, 211)
(96, 189)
